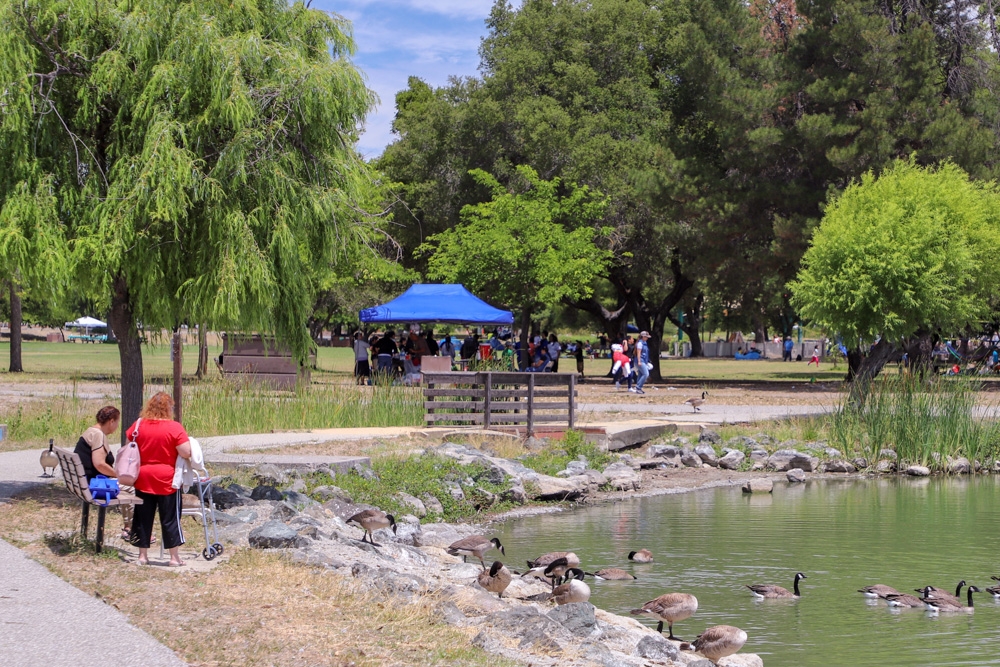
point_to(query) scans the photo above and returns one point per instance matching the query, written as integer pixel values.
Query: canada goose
(554, 572)
(717, 642)
(48, 459)
(771, 591)
(903, 600)
(670, 607)
(545, 559)
(612, 574)
(935, 605)
(942, 594)
(574, 590)
(475, 545)
(641, 556)
(994, 591)
(878, 591)
(372, 520)
(695, 402)
(496, 579)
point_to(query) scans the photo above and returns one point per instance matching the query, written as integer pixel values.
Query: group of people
(630, 361)
(394, 360)
(161, 440)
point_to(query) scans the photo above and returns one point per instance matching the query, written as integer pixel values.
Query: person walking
(362, 368)
(578, 353)
(641, 362)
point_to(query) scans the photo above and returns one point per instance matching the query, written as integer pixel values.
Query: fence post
(531, 405)
(427, 387)
(572, 398)
(487, 388)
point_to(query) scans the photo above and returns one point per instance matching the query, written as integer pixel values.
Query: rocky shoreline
(277, 514)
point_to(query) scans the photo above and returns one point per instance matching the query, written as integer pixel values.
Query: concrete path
(709, 413)
(46, 622)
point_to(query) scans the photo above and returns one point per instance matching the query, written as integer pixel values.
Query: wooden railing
(492, 398)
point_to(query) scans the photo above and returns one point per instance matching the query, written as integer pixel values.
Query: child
(622, 364)
(815, 357)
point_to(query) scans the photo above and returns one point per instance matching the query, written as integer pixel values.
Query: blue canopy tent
(448, 304)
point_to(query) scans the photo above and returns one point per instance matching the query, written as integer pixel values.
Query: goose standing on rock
(772, 592)
(574, 590)
(935, 605)
(878, 591)
(496, 579)
(372, 520)
(641, 556)
(717, 642)
(695, 402)
(474, 545)
(669, 608)
(552, 566)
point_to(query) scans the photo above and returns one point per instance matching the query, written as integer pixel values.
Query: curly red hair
(159, 406)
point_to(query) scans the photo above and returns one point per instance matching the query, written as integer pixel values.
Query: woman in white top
(362, 369)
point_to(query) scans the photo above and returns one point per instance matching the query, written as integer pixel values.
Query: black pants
(169, 507)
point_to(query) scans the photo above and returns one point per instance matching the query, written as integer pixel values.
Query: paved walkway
(709, 413)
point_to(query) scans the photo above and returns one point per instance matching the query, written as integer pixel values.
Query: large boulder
(706, 453)
(622, 477)
(761, 485)
(655, 648)
(959, 466)
(329, 492)
(838, 466)
(709, 436)
(885, 466)
(414, 504)
(515, 494)
(733, 460)
(432, 504)
(796, 475)
(546, 487)
(276, 535)
(759, 455)
(918, 471)
(268, 474)
(786, 459)
(578, 618)
(266, 492)
(225, 499)
(665, 451)
(690, 459)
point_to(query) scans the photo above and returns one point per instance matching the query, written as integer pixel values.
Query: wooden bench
(76, 482)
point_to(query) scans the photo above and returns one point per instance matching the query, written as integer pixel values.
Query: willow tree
(201, 154)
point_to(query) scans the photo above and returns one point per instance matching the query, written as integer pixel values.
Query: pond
(905, 533)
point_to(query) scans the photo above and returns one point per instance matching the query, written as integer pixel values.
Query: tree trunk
(202, 352)
(123, 324)
(862, 369)
(15, 328)
(759, 333)
(177, 354)
(525, 335)
(692, 325)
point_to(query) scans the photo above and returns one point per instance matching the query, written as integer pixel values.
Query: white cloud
(467, 9)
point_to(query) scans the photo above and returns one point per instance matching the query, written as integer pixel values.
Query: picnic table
(85, 338)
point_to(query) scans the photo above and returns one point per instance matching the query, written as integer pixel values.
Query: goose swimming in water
(770, 591)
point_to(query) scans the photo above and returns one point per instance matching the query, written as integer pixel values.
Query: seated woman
(96, 456)
(541, 360)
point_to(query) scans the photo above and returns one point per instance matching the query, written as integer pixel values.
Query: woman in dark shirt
(96, 456)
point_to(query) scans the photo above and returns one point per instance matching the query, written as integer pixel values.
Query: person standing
(578, 353)
(362, 368)
(386, 349)
(641, 361)
(815, 357)
(787, 353)
(161, 440)
(447, 348)
(433, 349)
(555, 349)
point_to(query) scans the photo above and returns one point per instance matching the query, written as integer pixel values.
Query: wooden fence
(491, 398)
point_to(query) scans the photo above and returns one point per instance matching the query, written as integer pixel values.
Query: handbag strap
(135, 432)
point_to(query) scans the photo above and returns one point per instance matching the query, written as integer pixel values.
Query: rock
(515, 494)
(316, 558)
(663, 451)
(786, 459)
(225, 499)
(454, 490)
(918, 471)
(996, 466)
(885, 466)
(363, 471)
(534, 628)
(707, 454)
(762, 485)
(832, 453)
(595, 479)
(743, 443)
(576, 467)
(224, 519)
(266, 492)
(298, 500)
(408, 530)
(246, 516)
(860, 462)
(759, 455)
(432, 504)
(546, 487)
(838, 466)
(268, 474)
(733, 460)
(796, 475)
(442, 534)
(343, 510)
(681, 442)
(690, 459)
(283, 511)
(449, 612)
(757, 466)
(412, 502)
(298, 486)
(764, 439)
(709, 436)
(577, 617)
(888, 454)
(654, 648)
(309, 532)
(622, 477)
(534, 444)
(959, 466)
(330, 492)
(491, 474)
(275, 535)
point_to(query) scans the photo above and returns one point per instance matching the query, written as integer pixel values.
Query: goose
(496, 579)
(994, 591)
(942, 594)
(554, 572)
(372, 520)
(612, 574)
(695, 402)
(770, 591)
(903, 600)
(641, 556)
(48, 459)
(545, 559)
(474, 545)
(574, 590)
(935, 605)
(717, 642)
(878, 591)
(670, 607)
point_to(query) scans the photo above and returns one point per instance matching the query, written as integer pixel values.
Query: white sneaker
(618, 386)
(633, 390)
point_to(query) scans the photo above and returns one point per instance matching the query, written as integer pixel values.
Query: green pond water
(843, 535)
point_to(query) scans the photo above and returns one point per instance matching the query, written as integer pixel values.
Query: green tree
(200, 152)
(906, 254)
(527, 247)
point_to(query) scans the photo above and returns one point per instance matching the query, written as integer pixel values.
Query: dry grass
(258, 608)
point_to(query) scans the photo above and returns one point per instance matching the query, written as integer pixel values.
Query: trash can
(485, 351)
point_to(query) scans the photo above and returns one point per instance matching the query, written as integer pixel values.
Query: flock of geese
(932, 598)
(561, 569)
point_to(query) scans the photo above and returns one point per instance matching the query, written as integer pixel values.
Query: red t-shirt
(158, 441)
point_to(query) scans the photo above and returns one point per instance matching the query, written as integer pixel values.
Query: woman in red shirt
(161, 440)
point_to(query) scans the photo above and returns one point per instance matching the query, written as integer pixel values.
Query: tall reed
(918, 418)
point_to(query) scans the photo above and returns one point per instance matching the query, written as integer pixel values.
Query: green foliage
(556, 456)
(417, 476)
(910, 250)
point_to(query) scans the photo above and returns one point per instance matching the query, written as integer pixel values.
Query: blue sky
(430, 39)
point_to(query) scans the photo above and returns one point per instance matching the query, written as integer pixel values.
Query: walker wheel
(208, 553)
(218, 549)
